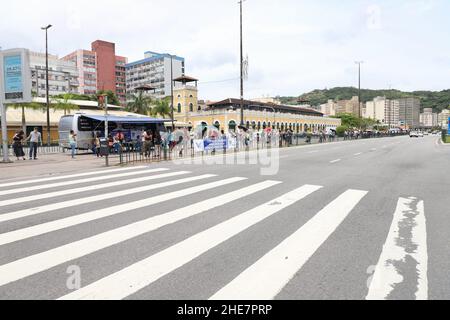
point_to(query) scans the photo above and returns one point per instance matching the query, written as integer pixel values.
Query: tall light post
(46, 82)
(171, 92)
(242, 66)
(359, 86)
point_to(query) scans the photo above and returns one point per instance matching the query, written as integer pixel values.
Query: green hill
(429, 99)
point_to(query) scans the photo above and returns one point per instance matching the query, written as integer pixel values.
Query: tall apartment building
(86, 63)
(428, 119)
(100, 69)
(329, 108)
(384, 110)
(62, 76)
(409, 111)
(348, 106)
(155, 71)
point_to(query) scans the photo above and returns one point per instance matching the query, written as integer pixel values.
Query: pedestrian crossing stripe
(28, 266)
(139, 275)
(61, 177)
(268, 276)
(262, 280)
(66, 192)
(109, 195)
(78, 219)
(397, 250)
(73, 182)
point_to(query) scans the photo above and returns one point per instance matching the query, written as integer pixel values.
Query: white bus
(86, 127)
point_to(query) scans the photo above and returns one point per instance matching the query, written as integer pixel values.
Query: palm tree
(24, 106)
(162, 108)
(140, 104)
(64, 104)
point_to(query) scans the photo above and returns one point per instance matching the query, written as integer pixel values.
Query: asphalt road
(363, 219)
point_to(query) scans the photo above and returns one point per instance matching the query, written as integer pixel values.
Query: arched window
(253, 124)
(264, 125)
(217, 125)
(259, 125)
(179, 96)
(248, 124)
(191, 107)
(199, 108)
(179, 108)
(191, 96)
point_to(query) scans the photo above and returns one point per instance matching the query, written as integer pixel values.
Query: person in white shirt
(34, 138)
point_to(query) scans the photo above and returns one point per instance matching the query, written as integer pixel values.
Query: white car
(416, 134)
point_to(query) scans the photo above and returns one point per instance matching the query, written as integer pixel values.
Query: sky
(293, 46)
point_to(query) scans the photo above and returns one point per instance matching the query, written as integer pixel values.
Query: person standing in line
(97, 145)
(73, 142)
(35, 137)
(18, 146)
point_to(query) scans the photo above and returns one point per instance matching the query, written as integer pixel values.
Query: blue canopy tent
(130, 126)
(128, 120)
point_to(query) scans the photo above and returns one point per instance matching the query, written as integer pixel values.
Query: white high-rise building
(155, 70)
(443, 118)
(384, 110)
(63, 75)
(428, 119)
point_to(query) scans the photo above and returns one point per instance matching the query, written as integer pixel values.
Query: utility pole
(242, 68)
(359, 86)
(46, 83)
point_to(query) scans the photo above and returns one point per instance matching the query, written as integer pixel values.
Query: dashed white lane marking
(139, 275)
(336, 161)
(358, 154)
(268, 276)
(404, 253)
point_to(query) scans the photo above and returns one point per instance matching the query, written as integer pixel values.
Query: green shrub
(341, 130)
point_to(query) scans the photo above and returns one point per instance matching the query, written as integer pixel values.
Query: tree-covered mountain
(429, 99)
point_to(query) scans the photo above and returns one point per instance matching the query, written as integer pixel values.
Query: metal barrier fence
(43, 150)
(133, 152)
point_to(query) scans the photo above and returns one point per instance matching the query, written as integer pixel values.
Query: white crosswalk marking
(66, 192)
(40, 229)
(110, 195)
(72, 182)
(28, 266)
(406, 246)
(78, 175)
(131, 279)
(268, 276)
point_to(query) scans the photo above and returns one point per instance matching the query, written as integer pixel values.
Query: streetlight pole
(359, 86)
(171, 91)
(242, 67)
(46, 82)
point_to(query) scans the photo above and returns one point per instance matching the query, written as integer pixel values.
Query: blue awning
(131, 119)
